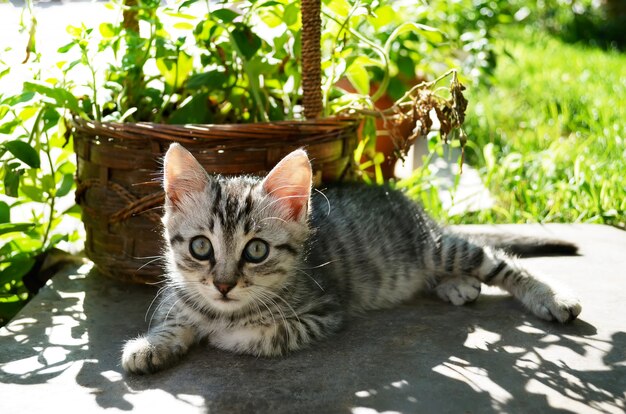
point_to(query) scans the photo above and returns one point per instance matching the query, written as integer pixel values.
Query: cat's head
(234, 243)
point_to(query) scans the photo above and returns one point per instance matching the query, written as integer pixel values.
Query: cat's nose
(224, 288)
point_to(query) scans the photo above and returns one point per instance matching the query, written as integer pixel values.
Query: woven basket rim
(238, 135)
(338, 121)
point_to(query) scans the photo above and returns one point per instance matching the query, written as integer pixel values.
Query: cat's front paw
(559, 308)
(140, 356)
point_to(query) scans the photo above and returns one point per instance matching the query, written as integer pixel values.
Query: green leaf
(48, 183)
(297, 44)
(66, 185)
(66, 48)
(181, 15)
(431, 33)
(9, 127)
(358, 77)
(247, 42)
(56, 238)
(489, 155)
(74, 30)
(73, 211)
(406, 66)
(27, 113)
(15, 227)
(184, 26)
(24, 152)
(292, 11)
(5, 72)
(21, 98)
(340, 7)
(5, 212)
(269, 4)
(187, 4)
(369, 134)
(385, 15)
(4, 109)
(33, 193)
(16, 270)
(195, 111)
(210, 80)
(106, 30)
(67, 167)
(225, 15)
(175, 71)
(60, 96)
(12, 181)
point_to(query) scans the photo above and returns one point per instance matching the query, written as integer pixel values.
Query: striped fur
(359, 248)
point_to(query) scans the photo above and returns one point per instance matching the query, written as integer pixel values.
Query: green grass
(549, 137)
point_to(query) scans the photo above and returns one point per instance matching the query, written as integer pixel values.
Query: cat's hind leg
(459, 290)
(498, 269)
(456, 256)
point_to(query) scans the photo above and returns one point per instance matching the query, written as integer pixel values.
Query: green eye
(256, 251)
(201, 248)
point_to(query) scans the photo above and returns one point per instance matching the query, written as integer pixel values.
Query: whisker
(312, 278)
(318, 266)
(167, 315)
(163, 302)
(150, 261)
(158, 282)
(280, 199)
(276, 295)
(327, 200)
(159, 293)
(265, 304)
(264, 294)
(274, 218)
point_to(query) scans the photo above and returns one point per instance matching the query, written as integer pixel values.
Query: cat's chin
(226, 304)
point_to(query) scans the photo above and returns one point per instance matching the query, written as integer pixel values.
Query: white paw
(558, 308)
(459, 290)
(142, 357)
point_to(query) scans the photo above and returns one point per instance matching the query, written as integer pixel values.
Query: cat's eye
(201, 248)
(256, 251)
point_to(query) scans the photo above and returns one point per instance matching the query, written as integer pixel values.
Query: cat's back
(369, 238)
(359, 208)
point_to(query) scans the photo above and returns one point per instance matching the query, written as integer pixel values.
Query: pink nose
(224, 288)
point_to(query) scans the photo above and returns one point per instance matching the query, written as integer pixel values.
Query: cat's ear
(290, 183)
(183, 174)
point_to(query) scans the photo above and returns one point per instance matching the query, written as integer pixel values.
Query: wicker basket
(117, 184)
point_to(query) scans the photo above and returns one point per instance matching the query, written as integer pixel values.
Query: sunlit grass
(549, 137)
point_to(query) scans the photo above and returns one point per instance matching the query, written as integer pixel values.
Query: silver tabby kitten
(259, 266)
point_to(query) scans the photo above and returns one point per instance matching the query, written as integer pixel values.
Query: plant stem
(381, 53)
(331, 79)
(95, 92)
(51, 197)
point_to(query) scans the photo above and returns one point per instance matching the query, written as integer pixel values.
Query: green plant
(36, 179)
(193, 62)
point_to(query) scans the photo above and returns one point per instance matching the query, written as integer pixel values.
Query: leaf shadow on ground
(425, 355)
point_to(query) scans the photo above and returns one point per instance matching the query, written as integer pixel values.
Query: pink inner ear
(183, 174)
(290, 183)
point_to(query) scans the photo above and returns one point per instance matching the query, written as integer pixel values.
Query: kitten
(259, 266)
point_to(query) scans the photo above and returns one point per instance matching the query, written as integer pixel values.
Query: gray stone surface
(61, 354)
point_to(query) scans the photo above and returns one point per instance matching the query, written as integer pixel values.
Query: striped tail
(524, 246)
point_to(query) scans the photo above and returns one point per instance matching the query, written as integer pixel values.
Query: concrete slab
(61, 354)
